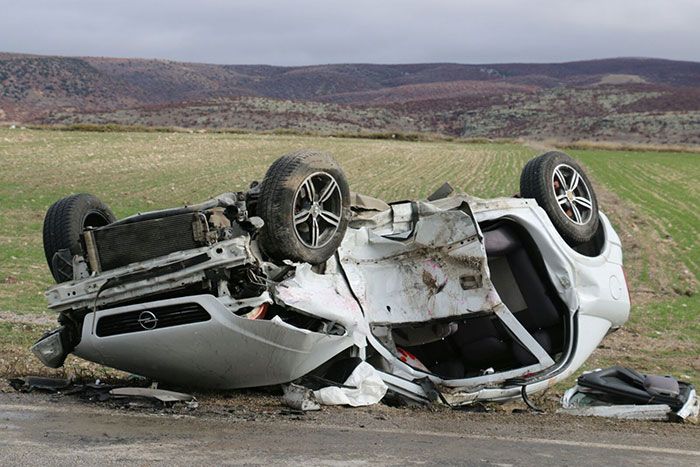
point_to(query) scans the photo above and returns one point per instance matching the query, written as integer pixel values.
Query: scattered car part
(160, 395)
(30, 383)
(528, 402)
(628, 384)
(458, 299)
(299, 398)
(623, 393)
(99, 391)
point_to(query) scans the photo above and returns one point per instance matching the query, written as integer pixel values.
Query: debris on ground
(363, 387)
(158, 395)
(620, 392)
(30, 383)
(299, 398)
(101, 392)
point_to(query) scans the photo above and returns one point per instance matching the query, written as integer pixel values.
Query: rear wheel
(305, 203)
(64, 222)
(563, 190)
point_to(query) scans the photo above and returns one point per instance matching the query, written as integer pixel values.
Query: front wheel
(305, 203)
(563, 190)
(64, 222)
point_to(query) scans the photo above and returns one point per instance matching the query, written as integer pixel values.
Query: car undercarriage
(453, 298)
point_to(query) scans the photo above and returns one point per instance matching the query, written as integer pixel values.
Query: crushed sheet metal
(252, 302)
(364, 387)
(74, 295)
(691, 409)
(362, 202)
(440, 273)
(326, 296)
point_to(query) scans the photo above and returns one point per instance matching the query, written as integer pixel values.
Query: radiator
(115, 246)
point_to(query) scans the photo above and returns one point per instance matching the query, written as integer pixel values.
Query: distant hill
(625, 98)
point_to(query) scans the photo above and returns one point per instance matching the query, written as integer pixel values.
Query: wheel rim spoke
(315, 232)
(329, 217)
(575, 177)
(310, 189)
(572, 194)
(576, 212)
(562, 179)
(302, 216)
(317, 210)
(327, 191)
(586, 203)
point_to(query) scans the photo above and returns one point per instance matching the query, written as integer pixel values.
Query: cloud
(389, 31)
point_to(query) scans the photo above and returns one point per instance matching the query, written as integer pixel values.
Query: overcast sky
(304, 32)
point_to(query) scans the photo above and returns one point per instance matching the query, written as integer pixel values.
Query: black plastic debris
(622, 383)
(43, 383)
(101, 392)
(624, 393)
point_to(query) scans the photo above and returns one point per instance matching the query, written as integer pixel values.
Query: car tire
(305, 203)
(64, 222)
(564, 191)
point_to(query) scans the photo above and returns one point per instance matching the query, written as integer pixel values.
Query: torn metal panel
(360, 202)
(441, 272)
(325, 296)
(691, 408)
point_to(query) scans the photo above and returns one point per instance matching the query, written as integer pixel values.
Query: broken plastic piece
(30, 383)
(632, 386)
(160, 395)
(299, 398)
(622, 393)
(444, 191)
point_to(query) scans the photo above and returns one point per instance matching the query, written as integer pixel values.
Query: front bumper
(224, 351)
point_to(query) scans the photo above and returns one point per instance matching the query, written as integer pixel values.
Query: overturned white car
(454, 297)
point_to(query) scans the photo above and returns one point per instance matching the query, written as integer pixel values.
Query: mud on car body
(453, 297)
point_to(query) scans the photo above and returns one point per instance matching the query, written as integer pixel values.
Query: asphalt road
(45, 430)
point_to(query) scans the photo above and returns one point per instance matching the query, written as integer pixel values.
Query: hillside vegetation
(636, 100)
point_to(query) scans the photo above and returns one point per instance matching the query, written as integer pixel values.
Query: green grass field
(652, 198)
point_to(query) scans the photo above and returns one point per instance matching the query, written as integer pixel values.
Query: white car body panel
(439, 272)
(226, 351)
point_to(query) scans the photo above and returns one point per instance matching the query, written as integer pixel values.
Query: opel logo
(148, 320)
